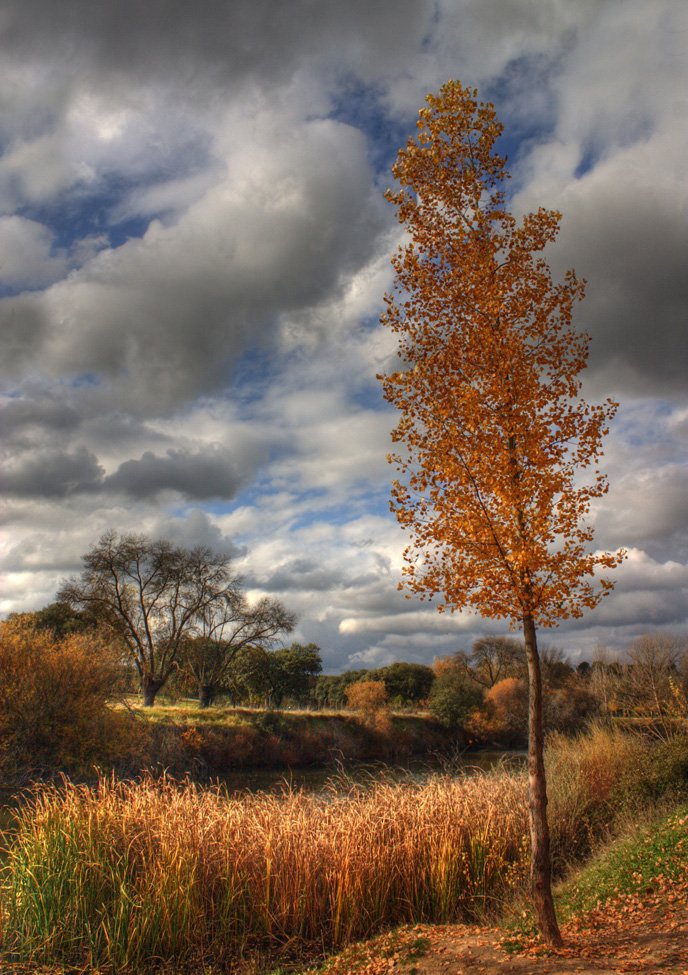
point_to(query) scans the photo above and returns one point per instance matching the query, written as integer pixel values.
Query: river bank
(239, 738)
(207, 744)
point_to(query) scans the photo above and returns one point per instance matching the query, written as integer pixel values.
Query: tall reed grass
(123, 874)
(127, 875)
(601, 780)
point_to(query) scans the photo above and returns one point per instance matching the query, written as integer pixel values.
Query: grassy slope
(638, 863)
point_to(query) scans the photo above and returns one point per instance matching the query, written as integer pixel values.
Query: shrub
(53, 696)
(508, 705)
(567, 709)
(369, 698)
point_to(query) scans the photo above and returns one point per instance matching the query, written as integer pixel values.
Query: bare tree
(652, 680)
(494, 658)
(151, 596)
(605, 678)
(556, 668)
(226, 627)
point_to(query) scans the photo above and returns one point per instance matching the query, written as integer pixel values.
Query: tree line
(483, 692)
(164, 617)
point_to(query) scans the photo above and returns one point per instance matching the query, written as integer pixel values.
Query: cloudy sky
(194, 247)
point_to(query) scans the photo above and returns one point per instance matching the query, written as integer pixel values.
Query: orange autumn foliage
(53, 697)
(370, 699)
(494, 428)
(489, 395)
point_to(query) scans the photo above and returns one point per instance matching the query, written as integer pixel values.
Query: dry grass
(124, 873)
(587, 774)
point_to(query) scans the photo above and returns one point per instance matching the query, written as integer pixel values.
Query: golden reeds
(126, 872)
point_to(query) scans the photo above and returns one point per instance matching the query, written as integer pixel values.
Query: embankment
(227, 739)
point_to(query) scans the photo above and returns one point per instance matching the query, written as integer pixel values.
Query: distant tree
(151, 597)
(569, 708)
(492, 658)
(406, 683)
(222, 629)
(447, 661)
(293, 673)
(454, 696)
(58, 619)
(330, 689)
(556, 669)
(249, 679)
(652, 685)
(493, 425)
(605, 679)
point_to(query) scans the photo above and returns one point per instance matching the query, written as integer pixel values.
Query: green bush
(661, 772)
(453, 697)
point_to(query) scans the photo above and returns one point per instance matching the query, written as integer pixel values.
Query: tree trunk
(206, 693)
(149, 689)
(540, 863)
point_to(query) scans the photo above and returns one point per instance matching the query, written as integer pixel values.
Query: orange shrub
(370, 699)
(567, 709)
(52, 696)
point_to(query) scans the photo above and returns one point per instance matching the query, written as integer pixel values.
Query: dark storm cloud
(195, 528)
(208, 473)
(632, 246)
(22, 328)
(187, 43)
(22, 417)
(310, 575)
(166, 317)
(52, 473)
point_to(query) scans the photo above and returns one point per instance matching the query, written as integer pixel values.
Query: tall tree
(406, 683)
(248, 680)
(223, 629)
(294, 671)
(492, 421)
(151, 596)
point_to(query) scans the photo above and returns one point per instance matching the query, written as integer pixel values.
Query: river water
(341, 778)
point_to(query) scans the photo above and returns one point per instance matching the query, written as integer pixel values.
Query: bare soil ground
(646, 934)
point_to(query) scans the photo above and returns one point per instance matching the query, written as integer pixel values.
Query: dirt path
(646, 935)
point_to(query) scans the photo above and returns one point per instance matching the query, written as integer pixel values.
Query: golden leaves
(489, 403)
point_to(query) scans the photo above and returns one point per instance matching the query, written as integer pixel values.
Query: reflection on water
(340, 779)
